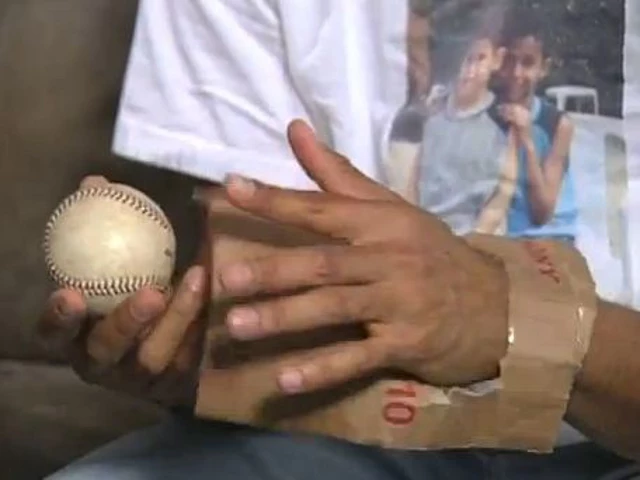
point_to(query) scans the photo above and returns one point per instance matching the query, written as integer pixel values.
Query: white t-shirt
(211, 86)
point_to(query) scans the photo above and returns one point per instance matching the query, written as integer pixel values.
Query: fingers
(314, 309)
(334, 216)
(146, 347)
(94, 181)
(189, 353)
(331, 171)
(160, 347)
(177, 384)
(113, 336)
(62, 319)
(331, 366)
(303, 267)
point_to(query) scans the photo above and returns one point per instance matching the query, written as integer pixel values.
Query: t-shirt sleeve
(207, 92)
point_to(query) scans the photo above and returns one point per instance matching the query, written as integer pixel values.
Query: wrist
(474, 351)
(486, 337)
(552, 305)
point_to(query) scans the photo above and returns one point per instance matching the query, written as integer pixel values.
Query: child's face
(481, 61)
(524, 67)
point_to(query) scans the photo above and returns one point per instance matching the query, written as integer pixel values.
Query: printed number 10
(399, 410)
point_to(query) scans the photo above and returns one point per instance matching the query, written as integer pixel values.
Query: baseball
(108, 242)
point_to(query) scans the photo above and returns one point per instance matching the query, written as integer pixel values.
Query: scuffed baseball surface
(107, 243)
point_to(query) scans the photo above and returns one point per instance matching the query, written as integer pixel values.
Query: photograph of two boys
(513, 123)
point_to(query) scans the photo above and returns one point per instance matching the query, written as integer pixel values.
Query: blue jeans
(183, 448)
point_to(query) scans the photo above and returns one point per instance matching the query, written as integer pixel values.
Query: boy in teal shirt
(544, 203)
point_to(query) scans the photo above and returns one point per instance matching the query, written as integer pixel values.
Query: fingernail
(244, 322)
(194, 279)
(239, 186)
(291, 381)
(142, 312)
(236, 277)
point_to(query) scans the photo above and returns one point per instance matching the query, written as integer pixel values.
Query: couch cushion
(48, 417)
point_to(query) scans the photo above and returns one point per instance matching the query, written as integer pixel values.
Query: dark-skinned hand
(149, 346)
(432, 306)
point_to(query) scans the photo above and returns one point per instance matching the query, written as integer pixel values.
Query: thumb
(332, 172)
(94, 181)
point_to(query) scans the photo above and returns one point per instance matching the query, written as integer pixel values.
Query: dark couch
(61, 68)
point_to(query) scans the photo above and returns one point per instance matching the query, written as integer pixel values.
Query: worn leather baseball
(108, 242)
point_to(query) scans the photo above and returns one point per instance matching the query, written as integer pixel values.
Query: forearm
(605, 399)
(540, 203)
(605, 403)
(492, 216)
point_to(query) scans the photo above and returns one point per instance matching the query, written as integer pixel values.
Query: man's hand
(149, 346)
(432, 306)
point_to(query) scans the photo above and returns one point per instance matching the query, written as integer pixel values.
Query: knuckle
(411, 297)
(181, 310)
(316, 207)
(325, 374)
(363, 306)
(267, 198)
(384, 351)
(184, 307)
(365, 358)
(97, 351)
(341, 304)
(151, 360)
(315, 211)
(188, 352)
(97, 345)
(125, 327)
(423, 264)
(316, 377)
(406, 222)
(342, 162)
(350, 305)
(406, 260)
(398, 348)
(264, 270)
(182, 362)
(274, 315)
(324, 264)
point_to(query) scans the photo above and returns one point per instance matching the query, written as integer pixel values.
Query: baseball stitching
(104, 286)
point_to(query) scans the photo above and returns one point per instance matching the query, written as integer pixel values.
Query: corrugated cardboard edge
(552, 308)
